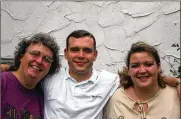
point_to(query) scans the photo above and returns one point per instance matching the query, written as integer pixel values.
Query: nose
(80, 54)
(39, 60)
(142, 69)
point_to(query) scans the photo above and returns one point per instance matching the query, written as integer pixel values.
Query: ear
(95, 55)
(129, 73)
(65, 53)
(21, 57)
(127, 70)
(159, 68)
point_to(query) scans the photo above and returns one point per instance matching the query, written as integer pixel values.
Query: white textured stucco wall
(115, 24)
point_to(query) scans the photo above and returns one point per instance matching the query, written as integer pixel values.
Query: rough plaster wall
(115, 24)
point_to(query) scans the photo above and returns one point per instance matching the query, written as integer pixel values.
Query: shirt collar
(93, 77)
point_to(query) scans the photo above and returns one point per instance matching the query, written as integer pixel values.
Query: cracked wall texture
(115, 24)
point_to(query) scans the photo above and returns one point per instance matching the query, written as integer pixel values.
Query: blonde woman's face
(143, 70)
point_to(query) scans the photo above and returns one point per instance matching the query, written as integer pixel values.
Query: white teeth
(143, 77)
(35, 67)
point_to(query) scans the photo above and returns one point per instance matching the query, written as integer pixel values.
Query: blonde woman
(143, 94)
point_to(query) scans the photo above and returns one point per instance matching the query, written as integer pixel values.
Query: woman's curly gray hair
(44, 39)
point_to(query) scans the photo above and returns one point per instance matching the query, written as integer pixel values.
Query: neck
(144, 94)
(80, 76)
(24, 80)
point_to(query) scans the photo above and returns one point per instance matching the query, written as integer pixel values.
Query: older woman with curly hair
(21, 93)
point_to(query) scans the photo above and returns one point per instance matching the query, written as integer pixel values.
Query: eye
(48, 59)
(134, 65)
(148, 64)
(34, 53)
(74, 49)
(87, 50)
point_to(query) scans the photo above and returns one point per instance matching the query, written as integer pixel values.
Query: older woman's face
(36, 62)
(143, 70)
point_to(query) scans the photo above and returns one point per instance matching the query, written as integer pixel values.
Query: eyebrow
(142, 62)
(81, 48)
(39, 52)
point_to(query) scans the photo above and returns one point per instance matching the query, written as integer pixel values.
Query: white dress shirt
(65, 98)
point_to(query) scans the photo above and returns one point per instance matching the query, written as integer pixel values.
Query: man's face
(80, 55)
(36, 62)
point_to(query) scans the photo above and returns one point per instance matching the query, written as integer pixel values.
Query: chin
(81, 72)
(32, 75)
(144, 85)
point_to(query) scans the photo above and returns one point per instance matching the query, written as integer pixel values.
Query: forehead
(81, 42)
(141, 56)
(36, 46)
(40, 47)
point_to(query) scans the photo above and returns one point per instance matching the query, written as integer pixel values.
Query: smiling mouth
(36, 68)
(80, 63)
(143, 77)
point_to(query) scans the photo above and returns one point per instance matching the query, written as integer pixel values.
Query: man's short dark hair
(80, 34)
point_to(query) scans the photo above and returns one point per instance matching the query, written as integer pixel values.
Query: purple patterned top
(18, 102)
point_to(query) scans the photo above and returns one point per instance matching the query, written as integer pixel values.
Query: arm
(4, 67)
(173, 81)
(169, 80)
